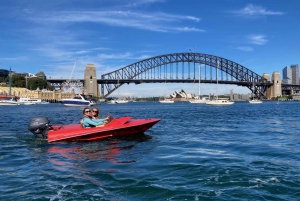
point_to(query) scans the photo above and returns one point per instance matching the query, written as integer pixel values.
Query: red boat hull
(117, 127)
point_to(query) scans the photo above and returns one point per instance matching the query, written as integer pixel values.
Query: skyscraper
(287, 75)
(295, 73)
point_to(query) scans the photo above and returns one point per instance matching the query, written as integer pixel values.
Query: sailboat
(218, 102)
(254, 101)
(166, 100)
(199, 100)
(119, 101)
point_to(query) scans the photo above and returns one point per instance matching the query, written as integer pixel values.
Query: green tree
(35, 82)
(16, 81)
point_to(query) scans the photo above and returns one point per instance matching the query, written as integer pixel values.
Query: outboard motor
(39, 126)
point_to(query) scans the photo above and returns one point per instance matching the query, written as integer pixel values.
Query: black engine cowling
(39, 126)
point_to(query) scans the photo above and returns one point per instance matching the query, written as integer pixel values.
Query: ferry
(30, 101)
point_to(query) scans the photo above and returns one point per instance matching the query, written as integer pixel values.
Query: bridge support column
(276, 88)
(90, 80)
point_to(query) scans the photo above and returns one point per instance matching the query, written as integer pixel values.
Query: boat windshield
(86, 97)
(110, 118)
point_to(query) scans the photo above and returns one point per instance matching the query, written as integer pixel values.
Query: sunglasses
(94, 111)
(87, 111)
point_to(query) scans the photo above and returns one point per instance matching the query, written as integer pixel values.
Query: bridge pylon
(275, 89)
(90, 80)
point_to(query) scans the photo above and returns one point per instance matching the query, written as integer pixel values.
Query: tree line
(32, 83)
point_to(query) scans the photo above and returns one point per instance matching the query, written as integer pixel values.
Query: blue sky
(48, 36)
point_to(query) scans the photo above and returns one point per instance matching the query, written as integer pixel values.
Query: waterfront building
(287, 75)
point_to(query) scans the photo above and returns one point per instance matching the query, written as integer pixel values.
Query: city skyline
(50, 36)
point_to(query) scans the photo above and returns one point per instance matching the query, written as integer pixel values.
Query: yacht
(199, 100)
(111, 102)
(255, 101)
(9, 102)
(202, 100)
(78, 100)
(218, 102)
(121, 101)
(166, 101)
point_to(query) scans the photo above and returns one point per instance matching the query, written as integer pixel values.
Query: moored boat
(219, 102)
(120, 101)
(9, 102)
(255, 101)
(42, 128)
(30, 101)
(166, 101)
(77, 100)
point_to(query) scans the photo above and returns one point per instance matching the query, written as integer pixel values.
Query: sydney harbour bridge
(187, 67)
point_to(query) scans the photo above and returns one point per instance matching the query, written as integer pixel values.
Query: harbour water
(197, 152)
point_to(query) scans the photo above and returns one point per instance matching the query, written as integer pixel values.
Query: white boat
(111, 102)
(9, 102)
(121, 101)
(44, 102)
(78, 100)
(254, 101)
(217, 101)
(199, 100)
(166, 101)
(30, 101)
(202, 100)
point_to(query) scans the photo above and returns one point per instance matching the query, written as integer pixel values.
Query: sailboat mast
(199, 80)
(217, 78)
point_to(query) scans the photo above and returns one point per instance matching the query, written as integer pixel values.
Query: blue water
(197, 152)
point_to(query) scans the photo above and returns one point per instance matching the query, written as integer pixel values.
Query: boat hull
(200, 101)
(219, 102)
(255, 102)
(117, 127)
(6, 103)
(71, 102)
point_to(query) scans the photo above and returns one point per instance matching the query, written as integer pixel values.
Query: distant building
(295, 74)
(287, 75)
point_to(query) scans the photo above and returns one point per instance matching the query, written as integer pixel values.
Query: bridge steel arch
(181, 68)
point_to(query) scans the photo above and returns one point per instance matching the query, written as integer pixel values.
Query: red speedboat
(41, 128)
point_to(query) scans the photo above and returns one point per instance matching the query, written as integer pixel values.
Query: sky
(50, 36)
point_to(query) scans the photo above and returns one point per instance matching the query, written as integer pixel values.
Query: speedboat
(78, 100)
(42, 128)
(30, 101)
(9, 102)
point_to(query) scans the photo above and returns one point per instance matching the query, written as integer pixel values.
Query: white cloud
(258, 39)
(159, 22)
(245, 48)
(254, 11)
(188, 29)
